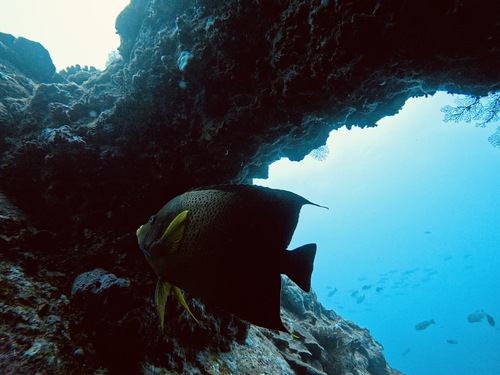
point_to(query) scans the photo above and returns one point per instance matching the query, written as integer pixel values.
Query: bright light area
(412, 234)
(73, 31)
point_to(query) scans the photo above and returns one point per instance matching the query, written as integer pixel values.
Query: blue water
(414, 210)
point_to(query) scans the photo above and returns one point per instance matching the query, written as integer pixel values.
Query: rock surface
(204, 92)
(31, 58)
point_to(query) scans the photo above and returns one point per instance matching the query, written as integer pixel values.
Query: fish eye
(152, 219)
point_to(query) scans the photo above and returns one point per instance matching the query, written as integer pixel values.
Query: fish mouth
(145, 251)
(147, 237)
(143, 248)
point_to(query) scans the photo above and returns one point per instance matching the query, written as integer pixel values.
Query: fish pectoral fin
(174, 232)
(161, 295)
(182, 301)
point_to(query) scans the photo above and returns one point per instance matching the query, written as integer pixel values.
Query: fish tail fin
(161, 295)
(182, 301)
(432, 321)
(299, 265)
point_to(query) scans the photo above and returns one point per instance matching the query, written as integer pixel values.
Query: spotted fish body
(232, 248)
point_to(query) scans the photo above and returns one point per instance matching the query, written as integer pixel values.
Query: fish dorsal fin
(161, 295)
(182, 301)
(174, 232)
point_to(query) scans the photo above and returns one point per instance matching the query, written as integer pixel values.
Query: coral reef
(204, 92)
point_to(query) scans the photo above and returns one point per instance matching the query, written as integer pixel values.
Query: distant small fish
(448, 257)
(452, 342)
(332, 292)
(409, 272)
(467, 255)
(423, 325)
(476, 316)
(355, 293)
(490, 319)
(407, 350)
(378, 289)
(360, 299)
(366, 287)
(427, 232)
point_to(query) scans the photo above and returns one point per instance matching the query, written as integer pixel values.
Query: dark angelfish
(228, 245)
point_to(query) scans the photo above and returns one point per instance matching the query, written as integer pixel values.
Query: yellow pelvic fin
(174, 233)
(161, 295)
(182, 301)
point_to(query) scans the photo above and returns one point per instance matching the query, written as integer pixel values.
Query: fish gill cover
(87, 155)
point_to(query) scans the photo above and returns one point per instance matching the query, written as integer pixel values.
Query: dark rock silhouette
(204, 92)
(30, 57)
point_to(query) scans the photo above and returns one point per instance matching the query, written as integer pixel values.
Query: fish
(410, 271)
(476, 316)
(366, 287)
(452, 342)
(490, 319)
(227, 244)
(423, 325)
(379, 289)
(331, 293)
